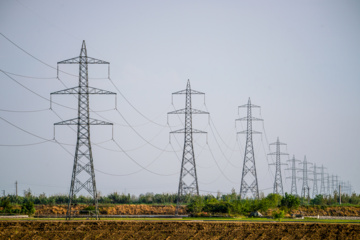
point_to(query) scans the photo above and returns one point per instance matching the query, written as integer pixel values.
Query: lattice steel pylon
(336, 187)
(293, 169)
(328, 187)
(249, 167)
(322, 181)
(278, 186)
(188, 183)
(305, 178)
(315, 180)
(83, 175)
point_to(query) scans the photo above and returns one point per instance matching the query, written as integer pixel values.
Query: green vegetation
(204, 205)
(209, 205)
(279, 215)
(27, 207)
(290, 202)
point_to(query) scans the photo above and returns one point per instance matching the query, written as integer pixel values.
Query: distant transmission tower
(322, 181)
(305, 178)
(293, 169)
(315, 186)
(83, 175)
(188, 183)
(328, 187)
(249, 168)
(278, 186)
(336, 187)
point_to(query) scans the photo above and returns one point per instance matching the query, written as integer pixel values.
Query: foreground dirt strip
(174, 230)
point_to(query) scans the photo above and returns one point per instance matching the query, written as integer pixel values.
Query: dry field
(174, 230)
(143, 209)
(123, 209)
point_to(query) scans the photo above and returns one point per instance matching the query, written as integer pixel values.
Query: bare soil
(174, 230)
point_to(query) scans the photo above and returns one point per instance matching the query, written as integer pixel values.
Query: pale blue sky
(298, 60)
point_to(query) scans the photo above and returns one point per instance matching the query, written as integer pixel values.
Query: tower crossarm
(280, 153)
(277, 164)
(277, 143)
(296, 169)
(190, 92)
(247, 118)
(249, 105)
(75, 121)
(77, 90)
(84, 59)
(184, 131)
(251, 132)
(185, 111)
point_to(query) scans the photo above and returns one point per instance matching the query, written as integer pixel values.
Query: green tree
(28, 208)
(6, 205)
(318, 200)
(279, 215)
(196, 205)
(290, 202)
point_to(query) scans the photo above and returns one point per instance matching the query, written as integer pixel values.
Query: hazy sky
(298, 60)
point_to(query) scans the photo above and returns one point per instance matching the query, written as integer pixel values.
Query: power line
(24, 111)
(25, 76)
(213, 157)
(140, 113)
(144, 168)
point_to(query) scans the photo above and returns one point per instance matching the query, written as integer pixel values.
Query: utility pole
(249, 167)
(322, 181)
(16, 188)
(83, 161)
(315, 186)
(293, 169)
(305, 178)
(188, 183)
(278, 186)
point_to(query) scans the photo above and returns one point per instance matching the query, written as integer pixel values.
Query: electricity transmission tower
(188, 183)
(328, 187)
(83, 175)
(322, 181)
(293, 169)
(305, 178)
(315, 186)
(278, 186)
(249, 168)
(336, 187)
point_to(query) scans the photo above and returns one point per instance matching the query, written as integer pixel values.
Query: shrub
(196, 205)
(28, 208)
(290, 202)
(87, 209)
(318, 200)
(279, 215)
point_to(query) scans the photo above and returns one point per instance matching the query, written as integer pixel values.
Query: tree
(196, 205)
(6, 205)
(318, 200)
(28, 208)
(279, 215)
(290, 202)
